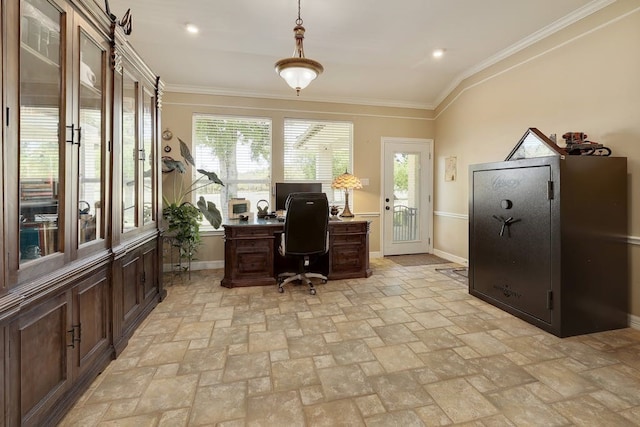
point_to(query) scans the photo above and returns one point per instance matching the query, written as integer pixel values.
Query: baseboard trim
(198, 265)
(450, 257)
(634, 322)
(213, 265)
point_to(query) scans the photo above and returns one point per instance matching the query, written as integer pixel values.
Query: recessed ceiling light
(437, 53)
(192, 28)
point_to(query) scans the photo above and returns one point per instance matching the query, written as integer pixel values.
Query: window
(238, 149)
(318, 151)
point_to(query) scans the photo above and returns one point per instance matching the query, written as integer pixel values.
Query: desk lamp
(347, 182)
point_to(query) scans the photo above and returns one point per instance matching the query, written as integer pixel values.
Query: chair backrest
(306, 224)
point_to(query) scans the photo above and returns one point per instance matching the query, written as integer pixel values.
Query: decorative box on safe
(548, 237)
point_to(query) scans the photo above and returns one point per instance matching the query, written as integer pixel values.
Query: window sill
(208, 230)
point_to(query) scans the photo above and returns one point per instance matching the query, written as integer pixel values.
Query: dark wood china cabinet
(80, 185)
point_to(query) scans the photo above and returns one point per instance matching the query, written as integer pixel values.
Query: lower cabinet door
(150, 271)
(91, 321)
(40, 363)
(131, 298)
(3, 369)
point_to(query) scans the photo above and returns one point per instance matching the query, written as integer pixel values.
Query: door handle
(72, 129)
(79, 130)
(506, 224)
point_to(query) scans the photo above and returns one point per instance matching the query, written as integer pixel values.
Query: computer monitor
(283, 189)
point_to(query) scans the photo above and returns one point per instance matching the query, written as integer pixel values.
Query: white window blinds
(238, 150)
(39, 146)
(317, 151)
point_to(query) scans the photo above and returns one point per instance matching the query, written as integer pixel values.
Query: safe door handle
(506, 223)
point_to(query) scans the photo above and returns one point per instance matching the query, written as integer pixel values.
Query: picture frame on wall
(450, 168)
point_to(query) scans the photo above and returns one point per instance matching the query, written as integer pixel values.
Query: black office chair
(305, 236)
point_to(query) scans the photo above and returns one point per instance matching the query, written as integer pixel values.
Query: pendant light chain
(299, 20)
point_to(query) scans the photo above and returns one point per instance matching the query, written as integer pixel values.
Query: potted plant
(182, 217)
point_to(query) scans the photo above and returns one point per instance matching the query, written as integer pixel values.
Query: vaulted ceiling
(374, 52)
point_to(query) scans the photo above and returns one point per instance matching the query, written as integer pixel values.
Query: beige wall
(370, 125)
(584, 78)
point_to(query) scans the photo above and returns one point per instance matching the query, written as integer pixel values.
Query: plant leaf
(212, 176)
(169, 164)
(185, 153)
(210, 212)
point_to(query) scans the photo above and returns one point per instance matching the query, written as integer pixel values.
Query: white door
(407, 207)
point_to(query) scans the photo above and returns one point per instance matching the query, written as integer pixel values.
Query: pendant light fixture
(298, 71)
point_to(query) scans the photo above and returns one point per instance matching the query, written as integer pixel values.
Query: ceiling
(374, 52)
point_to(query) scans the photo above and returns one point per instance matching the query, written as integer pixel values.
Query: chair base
(285, 278)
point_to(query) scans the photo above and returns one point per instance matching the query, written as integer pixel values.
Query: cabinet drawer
(249, 231)
(253, 258)
(356, 227)
(254, 263)
(342, 239)
(250, 244)
(346, 258)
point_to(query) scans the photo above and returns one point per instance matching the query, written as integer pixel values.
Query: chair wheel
(312, 291)
(281, 290)
(324, 280)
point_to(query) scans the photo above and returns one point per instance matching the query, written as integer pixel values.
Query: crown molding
(537, 36)
(200, 90)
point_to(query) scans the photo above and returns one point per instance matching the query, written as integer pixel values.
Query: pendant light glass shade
(298, 71)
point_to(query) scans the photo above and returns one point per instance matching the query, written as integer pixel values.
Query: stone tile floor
(406, 347)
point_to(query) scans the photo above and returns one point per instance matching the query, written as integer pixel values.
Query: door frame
(427, 185)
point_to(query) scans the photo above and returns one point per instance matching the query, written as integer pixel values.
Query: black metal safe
(547, 237)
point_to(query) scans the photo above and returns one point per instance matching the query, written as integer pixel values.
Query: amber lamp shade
(346, 182)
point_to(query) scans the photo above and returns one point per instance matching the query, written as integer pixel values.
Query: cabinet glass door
(147, 159)
(129, 153)
(41, 134)
(90, 169)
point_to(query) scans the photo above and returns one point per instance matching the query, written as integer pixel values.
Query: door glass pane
(40, 130)
(129, 155)
(406, 196)
(90, 190)
(148, 161)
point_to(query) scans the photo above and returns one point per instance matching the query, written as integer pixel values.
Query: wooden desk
(251, 252)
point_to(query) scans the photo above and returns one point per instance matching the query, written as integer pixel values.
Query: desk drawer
(348, 227)
(252, 244)
(348, 239)
(347, 258)
(254, 263)
(249, 231)
(253, 256)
